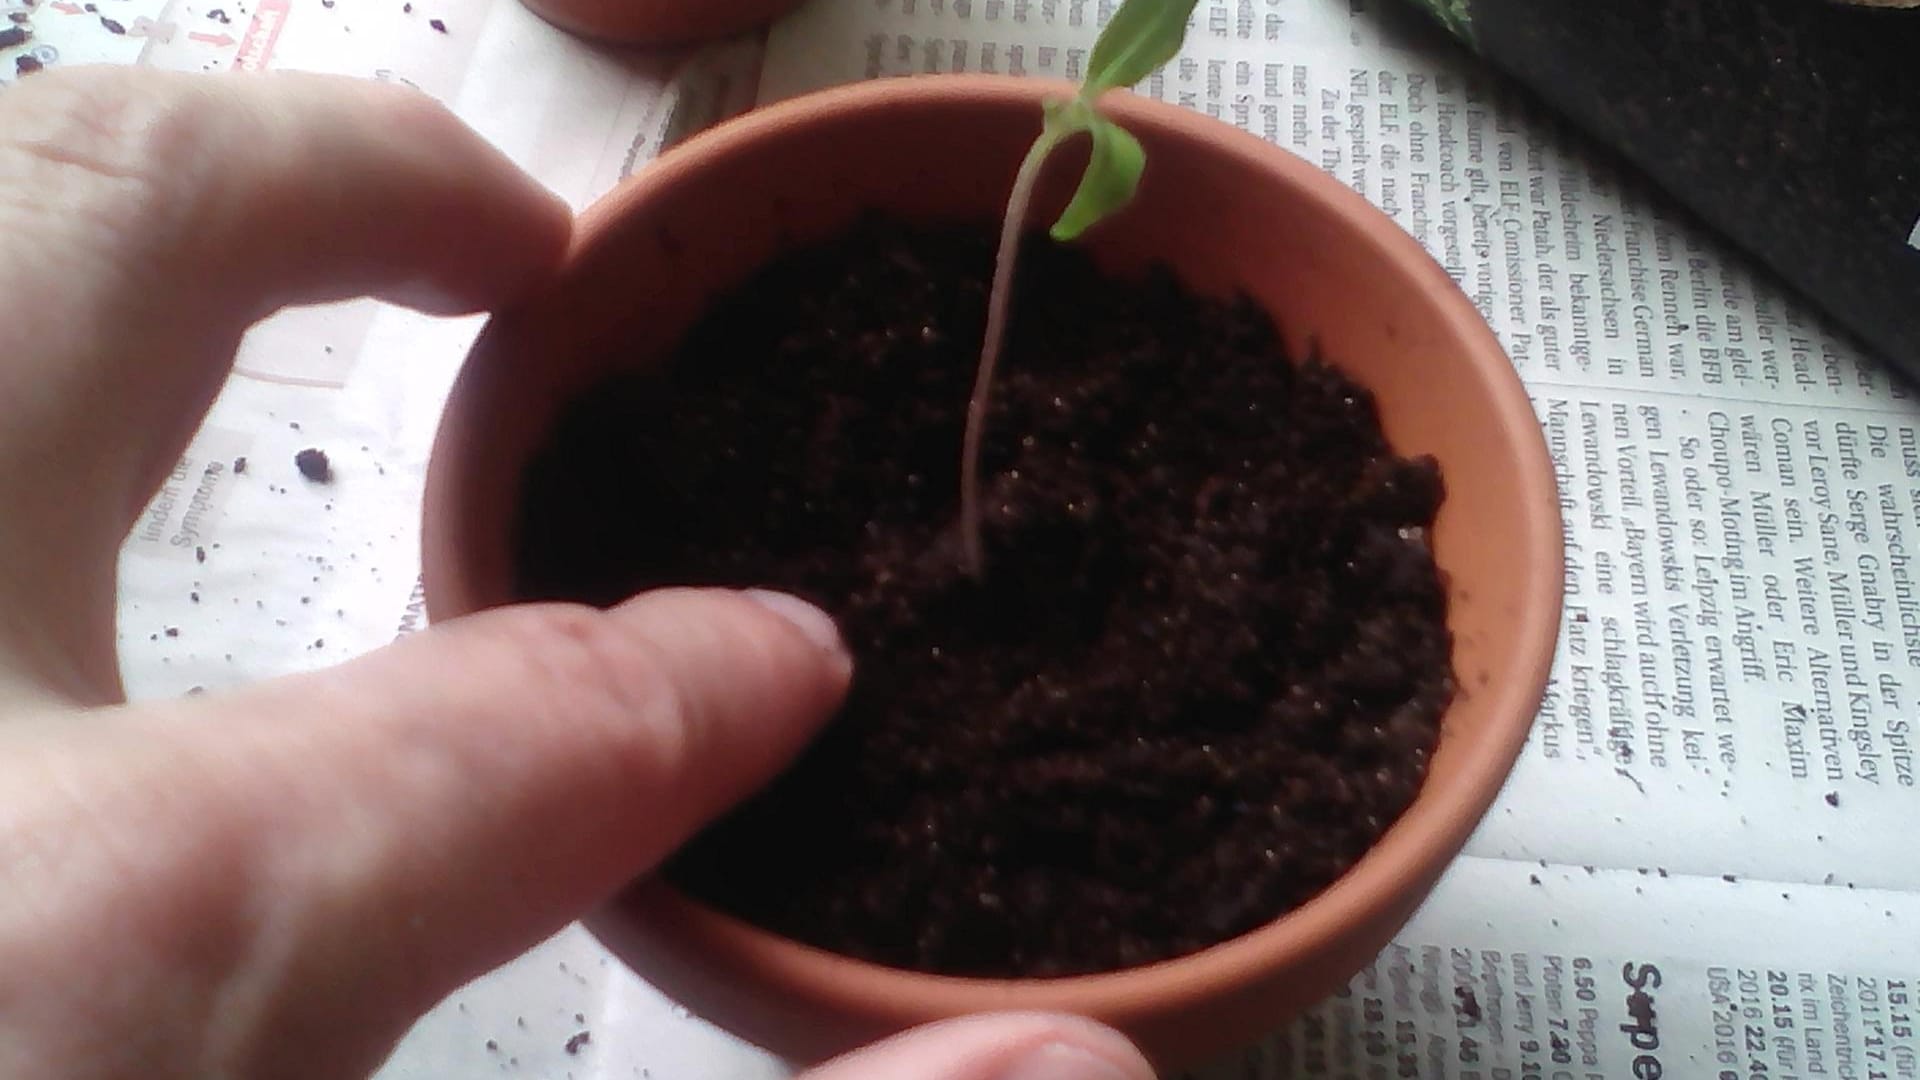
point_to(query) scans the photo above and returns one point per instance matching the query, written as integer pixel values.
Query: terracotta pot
(1226, 210)
(659, 22)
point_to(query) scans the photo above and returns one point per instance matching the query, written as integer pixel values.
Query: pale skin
(278, 880)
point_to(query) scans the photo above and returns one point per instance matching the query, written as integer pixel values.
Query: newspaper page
(1690, 865)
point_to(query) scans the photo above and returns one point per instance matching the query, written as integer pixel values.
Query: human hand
(277, 881)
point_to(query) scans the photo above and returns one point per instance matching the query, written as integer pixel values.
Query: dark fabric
(1793, 126)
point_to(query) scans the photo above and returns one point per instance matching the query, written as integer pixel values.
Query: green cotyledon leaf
(1112, 177)
(1140, 37)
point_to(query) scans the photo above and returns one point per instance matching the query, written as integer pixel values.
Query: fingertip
(407, 201)
(1008, 1046)
(812, 623)
(1076, 1048)
(1062, 1061)
(521, 248)
(494, 233)
(746, 653)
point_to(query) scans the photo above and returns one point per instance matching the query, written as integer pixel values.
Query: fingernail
(816, 625)
(1062, 1061)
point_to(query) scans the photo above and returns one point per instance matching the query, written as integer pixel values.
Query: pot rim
(1415, 849)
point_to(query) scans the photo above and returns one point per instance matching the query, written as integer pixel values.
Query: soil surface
(1202, 674)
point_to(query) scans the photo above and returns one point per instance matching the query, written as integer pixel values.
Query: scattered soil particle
(1729, 878)
(313, 465)
(113, 26)
(11, 36)
(1533, 879)
(1833, 798)
(172, 631)
(1204, 670)
(220, 16)
(493, 1046)
(437, 25)
(579, 1040)
(200, 554)
(25, 65)
(239, 466)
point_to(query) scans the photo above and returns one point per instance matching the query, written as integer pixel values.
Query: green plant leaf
(1112, 177)
(1140, 37)
(1455, 15)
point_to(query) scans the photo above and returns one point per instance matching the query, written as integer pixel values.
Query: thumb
(372, 836)
(1015, 1046)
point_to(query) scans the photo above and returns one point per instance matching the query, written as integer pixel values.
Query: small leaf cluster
(1140, 37)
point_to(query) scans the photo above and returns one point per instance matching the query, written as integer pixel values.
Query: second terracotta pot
(1227, 211)
(659, 22)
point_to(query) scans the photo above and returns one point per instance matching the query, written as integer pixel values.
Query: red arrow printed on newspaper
(256, 45)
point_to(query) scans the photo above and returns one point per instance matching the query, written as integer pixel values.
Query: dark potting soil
(1202, 674)
(313, 465)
